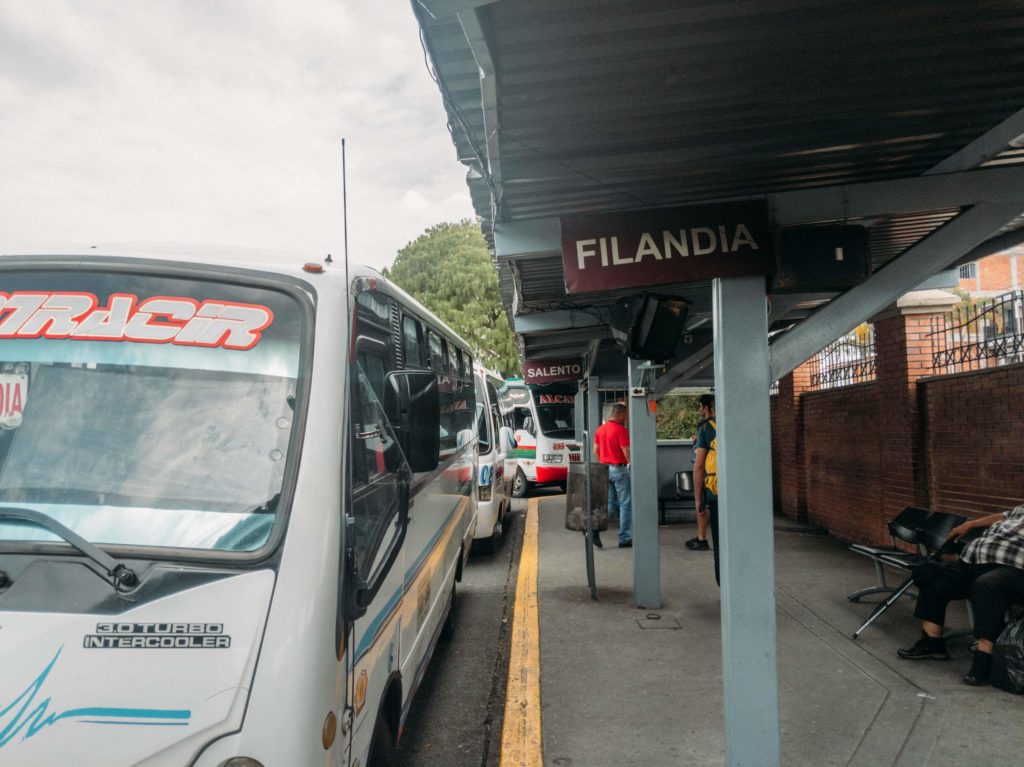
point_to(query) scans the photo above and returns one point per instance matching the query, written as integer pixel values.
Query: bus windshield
(145, 411)
(556, 420)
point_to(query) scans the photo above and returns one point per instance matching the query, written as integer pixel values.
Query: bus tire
(382, 745)
(521, 485)
(492, 543)
(448, 627)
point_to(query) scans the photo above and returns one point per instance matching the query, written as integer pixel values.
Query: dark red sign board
(550, 371)
(656, 247)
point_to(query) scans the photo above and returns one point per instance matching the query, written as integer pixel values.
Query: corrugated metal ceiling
(610, 105)
(607, 105)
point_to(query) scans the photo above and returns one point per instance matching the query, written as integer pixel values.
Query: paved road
(456, 718)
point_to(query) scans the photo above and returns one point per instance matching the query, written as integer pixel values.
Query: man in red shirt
(611, 447)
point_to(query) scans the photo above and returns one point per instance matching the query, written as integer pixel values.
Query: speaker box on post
(822, 259)
(658, 325)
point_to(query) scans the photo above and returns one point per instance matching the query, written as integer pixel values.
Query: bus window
(453, 362)
(411, 334)
(375, 492)
(522, 419)
(375, 370)
(376, 303)
(437, 357)
(482, 418)
(492, 398)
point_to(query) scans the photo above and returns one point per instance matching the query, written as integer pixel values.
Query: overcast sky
(200, 121)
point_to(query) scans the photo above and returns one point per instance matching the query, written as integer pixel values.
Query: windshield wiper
(121, 576)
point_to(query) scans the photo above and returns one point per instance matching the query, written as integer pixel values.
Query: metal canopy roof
(902, 116)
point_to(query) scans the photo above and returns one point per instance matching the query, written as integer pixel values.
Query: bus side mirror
(530, 426)
(412, 402)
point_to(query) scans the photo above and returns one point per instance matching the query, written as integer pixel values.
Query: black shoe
(596, 538)
(696, 544)
(981, 670)
(626, 545)
(926, 648)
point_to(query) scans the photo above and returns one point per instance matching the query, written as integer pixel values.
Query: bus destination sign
(669, 245)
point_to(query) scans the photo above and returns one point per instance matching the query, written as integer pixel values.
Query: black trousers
(711, 504)
(990, 588)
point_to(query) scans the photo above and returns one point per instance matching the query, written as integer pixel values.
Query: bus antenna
(344, 210)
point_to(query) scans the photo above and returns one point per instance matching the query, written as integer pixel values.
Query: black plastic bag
(1008, 658)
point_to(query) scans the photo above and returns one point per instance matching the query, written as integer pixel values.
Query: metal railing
(981, 334)
(848, 360)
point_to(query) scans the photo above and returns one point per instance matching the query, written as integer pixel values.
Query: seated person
(989, 572)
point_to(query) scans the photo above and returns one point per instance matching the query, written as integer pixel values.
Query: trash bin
(576, 491)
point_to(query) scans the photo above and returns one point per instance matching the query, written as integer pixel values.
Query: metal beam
(998, 244)
(438, 9)
(931, 254)
(898, 196)
(523, 239)
(580, 337)
(683, 370)
(561, 319)
(592, 351)
(480, 46)
(526, 239)
(781, 305)
(985, 147)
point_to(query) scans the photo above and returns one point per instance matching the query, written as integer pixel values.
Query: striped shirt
(1000, 544)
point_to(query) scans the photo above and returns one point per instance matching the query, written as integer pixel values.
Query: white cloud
(201, 121)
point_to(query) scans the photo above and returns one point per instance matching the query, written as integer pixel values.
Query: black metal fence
(849, 360)
(981, 334)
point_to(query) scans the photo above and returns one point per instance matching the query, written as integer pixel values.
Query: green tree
(449, 270)
(677, 416)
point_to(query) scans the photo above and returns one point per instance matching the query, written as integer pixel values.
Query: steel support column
(643, 477)
(749, 668)
(579, 421)
(593, 410)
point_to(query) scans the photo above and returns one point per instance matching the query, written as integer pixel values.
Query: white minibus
(494, 440)
(544, 431)
(235, 497)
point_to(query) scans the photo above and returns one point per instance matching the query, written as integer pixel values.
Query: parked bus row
(236, 497)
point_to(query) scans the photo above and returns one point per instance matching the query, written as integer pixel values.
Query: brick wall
(789, 486)
(975, 440)
(850, 459)
(994, 273)
(843, 463)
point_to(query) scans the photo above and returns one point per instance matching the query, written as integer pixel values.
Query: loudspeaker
(822, 258)
(659, 323)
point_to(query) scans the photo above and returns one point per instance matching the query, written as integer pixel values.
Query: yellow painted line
(520, 737)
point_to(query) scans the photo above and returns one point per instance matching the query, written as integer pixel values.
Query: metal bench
(902, 528)
(929, 536)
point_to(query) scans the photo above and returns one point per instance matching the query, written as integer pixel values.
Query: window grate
(980, 334)
(846, 361)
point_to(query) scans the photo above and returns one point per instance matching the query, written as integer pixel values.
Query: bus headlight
(242, 761)
(484, 492)
(552, 458)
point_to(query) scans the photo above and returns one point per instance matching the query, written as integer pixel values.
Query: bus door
(438, 515)
(380, 496)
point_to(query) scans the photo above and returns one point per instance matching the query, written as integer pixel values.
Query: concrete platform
(626, 686)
